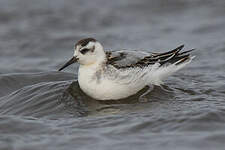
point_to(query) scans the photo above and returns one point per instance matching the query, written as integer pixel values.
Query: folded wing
(127, 59)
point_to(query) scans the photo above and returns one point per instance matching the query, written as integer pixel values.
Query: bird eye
(84, 51)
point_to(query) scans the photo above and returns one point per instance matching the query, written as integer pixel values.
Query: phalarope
(112, 75)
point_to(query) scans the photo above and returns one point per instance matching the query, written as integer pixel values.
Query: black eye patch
(84, 51)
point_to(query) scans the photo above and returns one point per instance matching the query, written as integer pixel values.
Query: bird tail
(168, 63)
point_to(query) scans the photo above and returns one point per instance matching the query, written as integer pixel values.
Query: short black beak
(71, 61)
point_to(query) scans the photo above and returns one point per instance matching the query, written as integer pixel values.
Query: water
(41, 108)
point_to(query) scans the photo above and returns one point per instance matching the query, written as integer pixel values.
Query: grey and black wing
(144, 59)
(125, 58)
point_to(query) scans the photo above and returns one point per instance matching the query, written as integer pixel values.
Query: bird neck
(95, 65)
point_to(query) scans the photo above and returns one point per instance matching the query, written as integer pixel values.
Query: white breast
(104, 88)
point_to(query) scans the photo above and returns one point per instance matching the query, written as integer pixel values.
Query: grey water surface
(41, 108)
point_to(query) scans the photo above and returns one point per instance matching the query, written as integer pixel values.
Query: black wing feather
(171, 57)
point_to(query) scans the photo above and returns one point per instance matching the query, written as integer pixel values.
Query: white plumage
(119, 74)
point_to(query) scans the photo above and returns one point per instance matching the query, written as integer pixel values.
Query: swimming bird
(112, 75)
